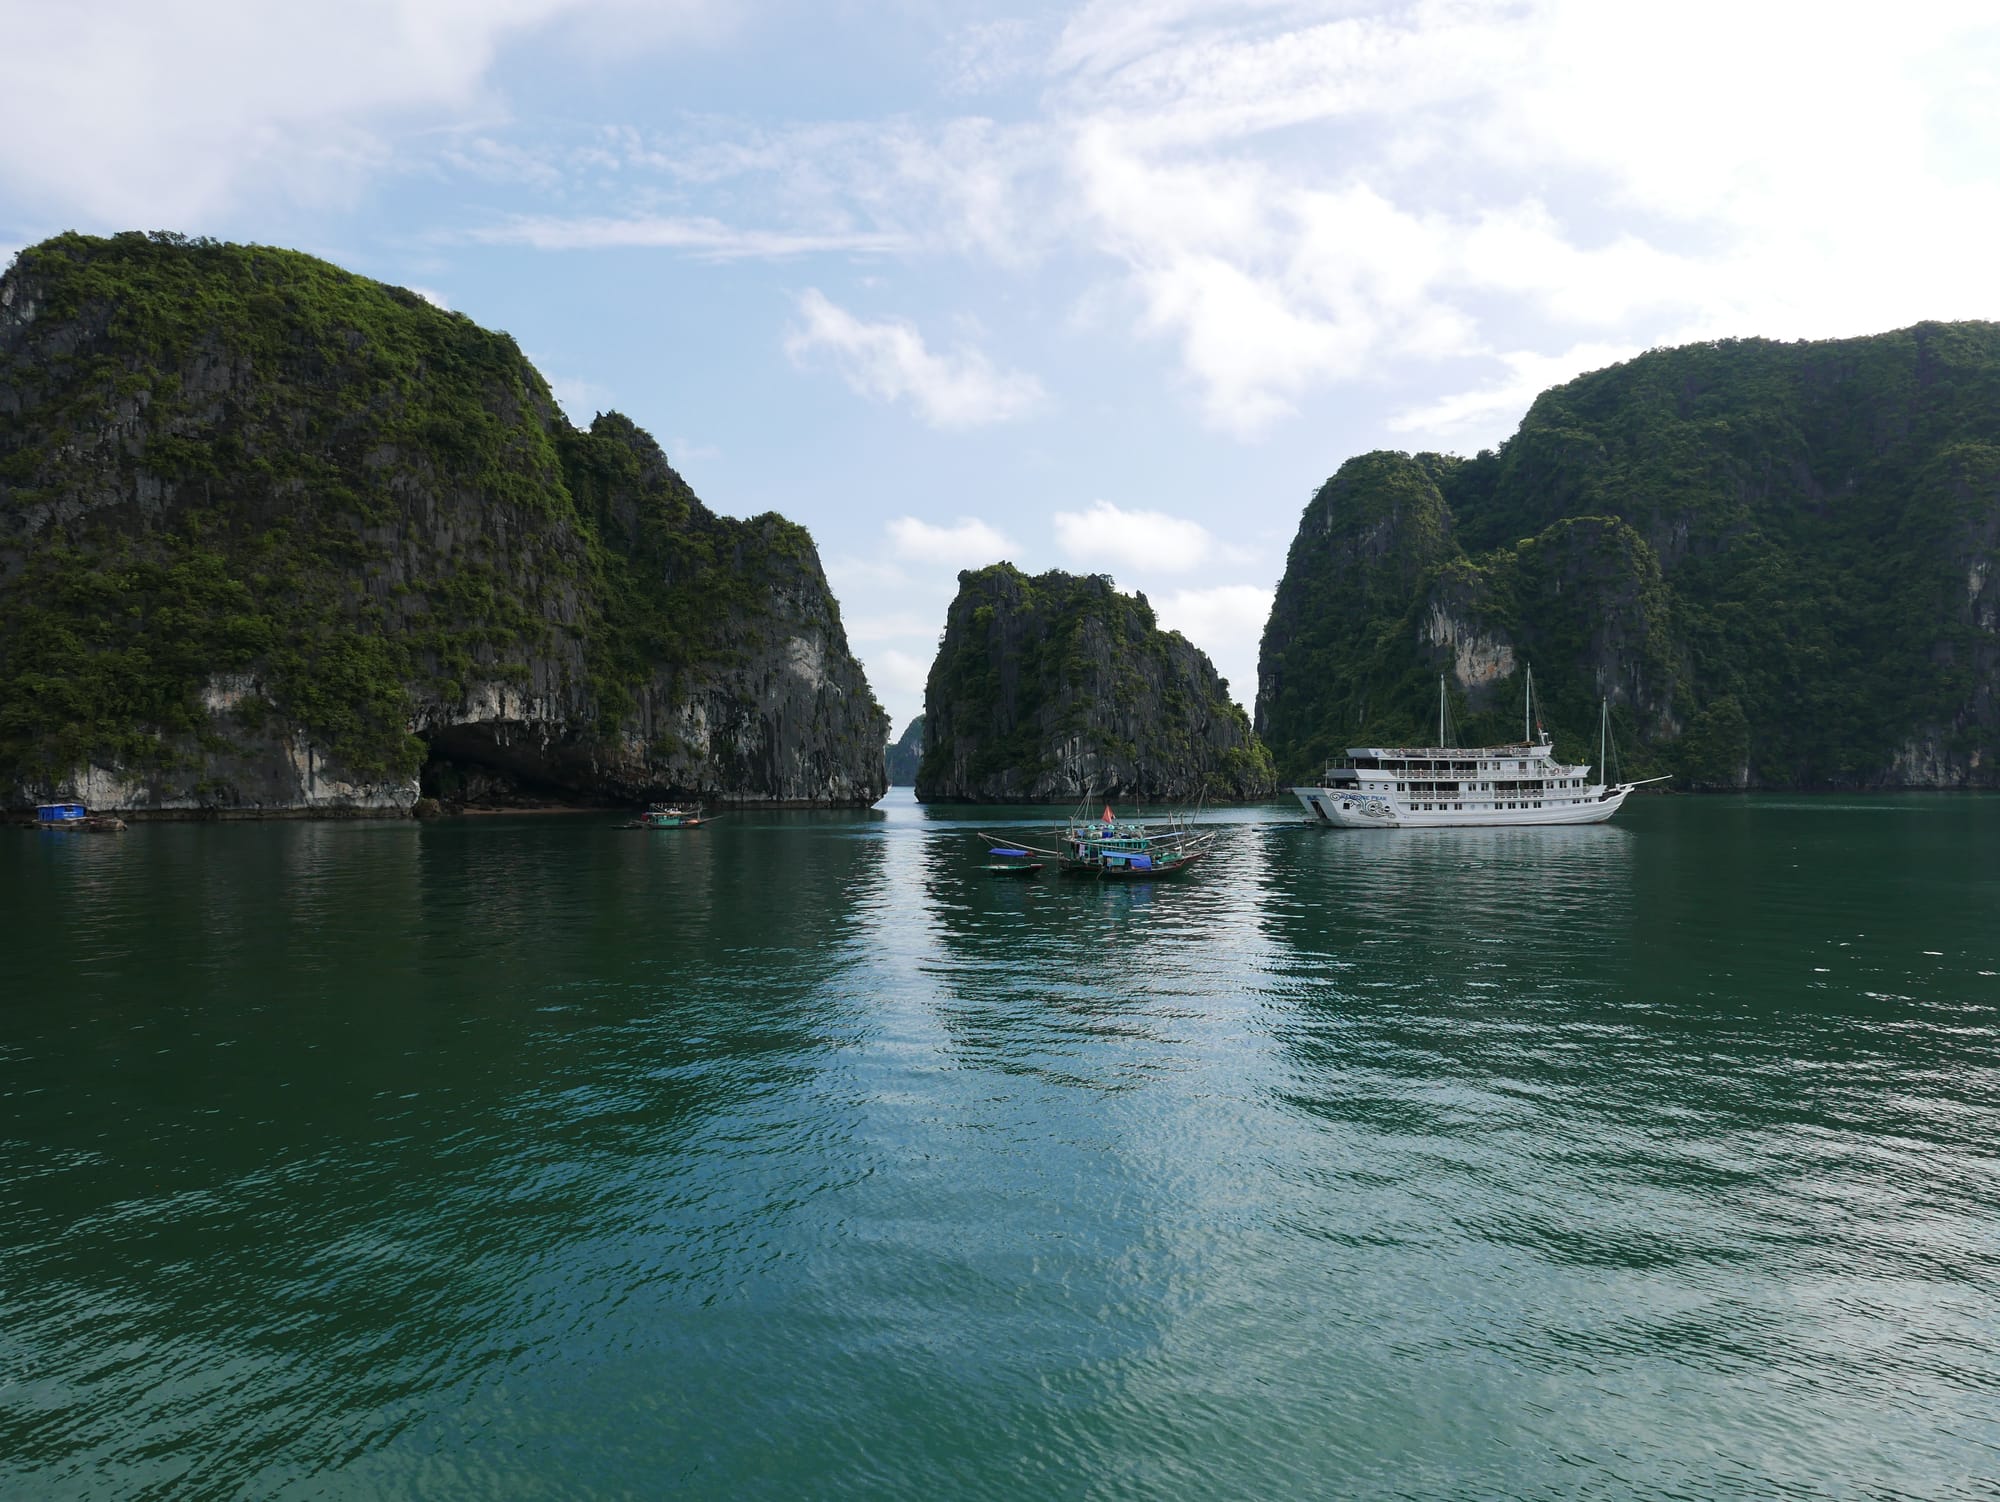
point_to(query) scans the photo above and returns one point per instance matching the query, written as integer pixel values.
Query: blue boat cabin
(60, 813)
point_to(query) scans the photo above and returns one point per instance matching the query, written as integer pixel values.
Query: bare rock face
(1056, 688)
(279, 539)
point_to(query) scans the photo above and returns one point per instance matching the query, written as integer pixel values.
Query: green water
(791, 1157)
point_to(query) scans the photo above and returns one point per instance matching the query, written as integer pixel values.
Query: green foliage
(235, 459)
(1333, 659)
(1715, 751)
(675, 583)
(1030, 664)
(1781, 532)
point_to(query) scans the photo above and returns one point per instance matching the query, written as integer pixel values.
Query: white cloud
(971, 543)
(889, 362)
(580, 400)
(1287, 197)
(898, 674)
(1227, 622)
(1305, 193)
(1483, 416)
(133, 113)
(856, 578)
(707, 238)
(893, 613)
(892, 626)
(1147, 540)
(1268, 286)
(987, 54)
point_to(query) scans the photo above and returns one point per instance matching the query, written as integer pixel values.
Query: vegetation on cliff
(1777, 560)
(1058, 686)
(227, 464)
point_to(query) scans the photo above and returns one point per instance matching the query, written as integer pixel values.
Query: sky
(1109, 287)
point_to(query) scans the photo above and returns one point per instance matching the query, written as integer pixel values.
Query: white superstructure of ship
(1460, 787)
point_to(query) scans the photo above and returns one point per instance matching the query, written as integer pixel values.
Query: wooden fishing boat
(1142, 867)
(1114, 849)
(668, 816)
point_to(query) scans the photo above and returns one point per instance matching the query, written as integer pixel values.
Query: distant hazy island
(904, 754)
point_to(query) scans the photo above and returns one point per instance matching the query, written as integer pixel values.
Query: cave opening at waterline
(482, 765)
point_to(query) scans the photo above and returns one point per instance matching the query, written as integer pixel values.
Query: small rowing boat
(1010, 860)
(668, 816)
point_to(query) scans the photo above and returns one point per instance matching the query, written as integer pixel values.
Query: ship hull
(1344, 809)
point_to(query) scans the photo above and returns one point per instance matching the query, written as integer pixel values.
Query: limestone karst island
(275, 538)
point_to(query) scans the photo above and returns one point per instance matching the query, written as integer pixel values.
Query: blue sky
(1104, 287)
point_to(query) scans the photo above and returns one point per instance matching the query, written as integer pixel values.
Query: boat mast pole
(1603, 730)
(1440, 711)
(1527, 704)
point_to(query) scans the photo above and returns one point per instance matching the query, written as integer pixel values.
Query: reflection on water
(795, 1156)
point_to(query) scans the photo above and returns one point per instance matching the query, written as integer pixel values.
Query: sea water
(793, 1156)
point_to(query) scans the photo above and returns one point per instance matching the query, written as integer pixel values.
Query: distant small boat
(666, 816)
(76, 816)
(1007, 860)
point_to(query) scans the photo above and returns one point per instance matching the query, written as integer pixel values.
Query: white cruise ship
(1445, 787)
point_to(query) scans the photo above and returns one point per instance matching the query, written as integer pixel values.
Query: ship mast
(1527, 705)
(1603, 731)
(1440, 711)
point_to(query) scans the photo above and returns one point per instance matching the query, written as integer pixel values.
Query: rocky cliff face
(1366, 547)
(274, 538)
(1055, 688)
(1776, 560)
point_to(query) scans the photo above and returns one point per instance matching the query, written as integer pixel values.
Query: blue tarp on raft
(1006, 852)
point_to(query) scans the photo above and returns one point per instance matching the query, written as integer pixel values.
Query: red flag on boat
(1108, 818)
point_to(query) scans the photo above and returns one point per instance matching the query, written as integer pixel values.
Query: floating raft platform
(76, 816)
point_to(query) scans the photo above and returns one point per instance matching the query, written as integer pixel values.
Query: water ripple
(795, 1157)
